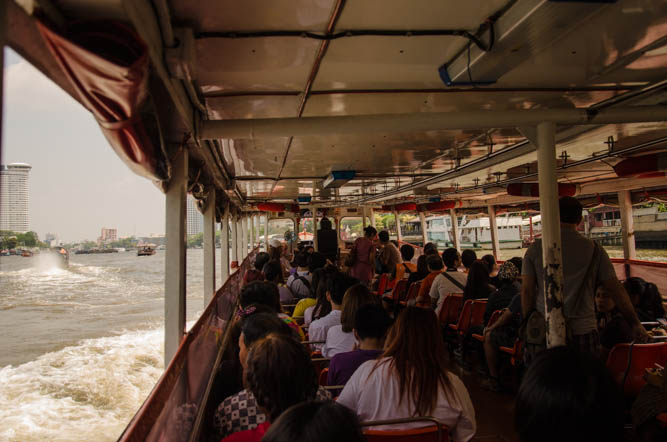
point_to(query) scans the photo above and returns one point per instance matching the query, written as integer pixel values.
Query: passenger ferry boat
(431, 108)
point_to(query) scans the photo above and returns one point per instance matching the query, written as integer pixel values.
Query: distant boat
(26, 253)
(145, 251)
(4, 252)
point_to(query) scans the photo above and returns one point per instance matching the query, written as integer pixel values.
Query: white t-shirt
(297, 286)
(317, 331)
(442, 286)
(308, 315)
(338, 341)
(376, 396)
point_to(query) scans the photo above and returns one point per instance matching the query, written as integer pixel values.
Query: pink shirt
(363, 268)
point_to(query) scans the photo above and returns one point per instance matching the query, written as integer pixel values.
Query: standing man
(586, 266)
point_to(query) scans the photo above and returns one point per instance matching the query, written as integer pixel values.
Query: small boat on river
(145, 251)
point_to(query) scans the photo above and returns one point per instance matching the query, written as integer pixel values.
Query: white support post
(244, 236)
(3, 41)
(313, 210)
(266, 231)
(239, 239)
(372, 217)
(399, 235)
(493, 226)
(552, 258)
(235, 240)
(209, 247)
(627, 225)
(422, 219)
(256, 238)
(364, 221)
(337, 227)
(455, 229)
(175, 267)
(253, 232)
(224, 245)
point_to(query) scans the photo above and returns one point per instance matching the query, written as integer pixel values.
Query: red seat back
(413, 291)
(449, 310)
(324, 376)
(400, 290)
(424, 434)
(477, 313)
(382, 284)
(494, 317)
(628, 361)
(464, 318)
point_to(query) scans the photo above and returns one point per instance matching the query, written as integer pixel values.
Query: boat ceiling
(299, 58)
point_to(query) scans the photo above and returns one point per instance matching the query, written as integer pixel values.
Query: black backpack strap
(453, 281)
(407, 269)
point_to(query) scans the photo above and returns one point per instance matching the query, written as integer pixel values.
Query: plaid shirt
(240, 412)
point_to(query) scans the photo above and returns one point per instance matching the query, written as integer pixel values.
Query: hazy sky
(77, 183)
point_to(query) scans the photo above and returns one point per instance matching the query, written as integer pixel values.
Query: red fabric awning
(107, 63)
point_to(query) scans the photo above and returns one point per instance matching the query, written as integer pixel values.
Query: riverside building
(14, 197)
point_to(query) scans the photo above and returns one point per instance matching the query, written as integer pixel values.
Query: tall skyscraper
(14, 197)
(194, 217)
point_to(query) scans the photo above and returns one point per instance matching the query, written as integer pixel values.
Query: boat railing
(174, 410)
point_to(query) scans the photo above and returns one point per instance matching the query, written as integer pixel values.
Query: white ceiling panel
(251, 106)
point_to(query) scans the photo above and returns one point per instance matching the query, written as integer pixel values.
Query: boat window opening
(278, 227)
(351, 228)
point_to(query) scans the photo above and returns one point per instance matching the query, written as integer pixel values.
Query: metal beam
(422, 219)
(422, 121)
(313, 210)
(224, 245)
(552, 260)
(266, 231)
(627, 225)
(209, 247)
(235, 241)
(455, 229)
(493, 226)
(399, 234)
(175, 267)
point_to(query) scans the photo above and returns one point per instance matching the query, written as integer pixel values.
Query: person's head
(338, 285)
(301, 260)
(422, 267)
(644, 296)
(260, 292)
(261, 259)
(371, 323)
(490, 262)
(417, 354)
(354, 297)
(323, 421)
(430, 249)
(570, 210)
(477, 284)
(275, 250)
(323, 306)
(258, 325)
(310, 249)
(370, 232)
(325, 224)
(451, 258)
(518, 263)
(604, 303)
(468, 257)
(316, 261)
(407, 252)
(508, 273)
(383, 236)
(273, 271)
(434, 263)
(273, 363)
(562, 386)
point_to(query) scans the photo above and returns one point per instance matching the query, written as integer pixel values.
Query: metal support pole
(244, 238)
(3, 41)
(455, 230)
(493, 226)
(313, 210)
(224, 245)
(364, 221)
(399, 235)
(266, 231)
(258, 223)
(235, 241)
(551, 241)
(627, 225)
(175, 268)
(253, 232)
(422, 218)
(209, 247)
(371, 215)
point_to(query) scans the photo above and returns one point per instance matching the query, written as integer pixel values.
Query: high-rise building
(194, 217)
(14, 197)
(108, 235)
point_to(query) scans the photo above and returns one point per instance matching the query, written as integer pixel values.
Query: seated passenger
(568, 396)
(491, 264)
(340, 338)
(612, 325)
(272, 365)
(338, 285)
(302, 305)
(434, 264)
(450, 281)
(502, 333)
(467, 258)
(255, 273)
(645, 298)
(421, 273)
(370, 326)
(411, 380)
(477, 285)
(300, 282)
(277, 253)
(273, 272)
(315, 421)
(507, 289)
(406, 267)
(267, 293)
(239, 412)
(431, 249)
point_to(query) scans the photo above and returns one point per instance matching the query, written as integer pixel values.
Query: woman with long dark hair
(410, 379)
(478, 285)
(645, 298)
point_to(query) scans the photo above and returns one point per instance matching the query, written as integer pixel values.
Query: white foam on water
(85, 392)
